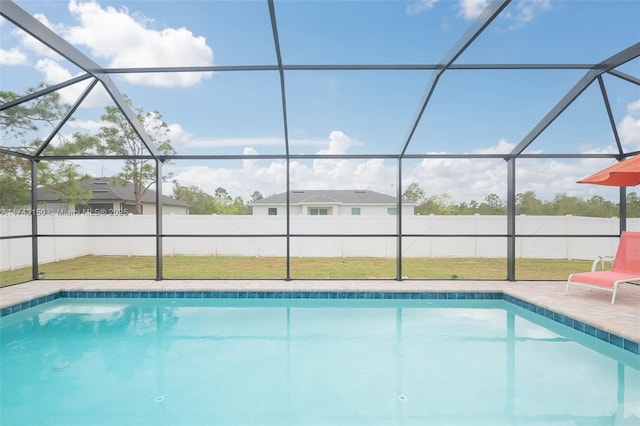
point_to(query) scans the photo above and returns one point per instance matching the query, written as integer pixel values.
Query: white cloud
(548, 177)
(464, 179)
(629, 128)
(90, 127)
(339, 143)
(420, 6)
(53, 72)
(517, 15)
(13, 56)
(502, 147)
(126, 40)
(178, 135)
(52, 66)
(525, 11)
(34, 46)
(202, 143)
(457, 176)
(471, 9)
(376, 171)
(269, 177)
(473, 178)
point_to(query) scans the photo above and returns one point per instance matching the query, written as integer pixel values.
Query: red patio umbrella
(624, 173)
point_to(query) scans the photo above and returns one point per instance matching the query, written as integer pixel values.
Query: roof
(325, 196)
(103, 189)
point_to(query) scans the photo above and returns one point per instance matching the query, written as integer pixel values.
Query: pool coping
(523, 294)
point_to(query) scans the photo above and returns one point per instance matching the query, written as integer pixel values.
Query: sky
(346, 111)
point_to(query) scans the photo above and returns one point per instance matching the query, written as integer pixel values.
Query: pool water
(307, 362)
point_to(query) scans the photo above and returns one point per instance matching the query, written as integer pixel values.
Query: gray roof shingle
(333, 196)
(103, 189)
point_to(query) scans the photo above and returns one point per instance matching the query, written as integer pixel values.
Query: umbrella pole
(623, 209)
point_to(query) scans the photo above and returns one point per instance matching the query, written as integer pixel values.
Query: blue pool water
(76, 361)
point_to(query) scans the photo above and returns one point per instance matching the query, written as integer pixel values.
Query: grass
(239, 267)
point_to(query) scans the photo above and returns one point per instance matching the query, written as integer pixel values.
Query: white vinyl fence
(16, 253)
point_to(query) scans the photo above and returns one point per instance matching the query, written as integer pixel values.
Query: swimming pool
(320, 359)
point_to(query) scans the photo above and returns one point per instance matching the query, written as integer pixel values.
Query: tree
(437, 204)
(633, 205)
(597, 206)
(15, 181)
(222, 199)
(527, 203)
(203, 203)
(563, 204)
(257, 195)
(492, 205)
(199, 201)
(237, 206)
(18, 122)
(22, 127)
(118, 137)
(414, 193)
(472, 207)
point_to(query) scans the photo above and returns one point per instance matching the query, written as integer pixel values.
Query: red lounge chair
(626, 267)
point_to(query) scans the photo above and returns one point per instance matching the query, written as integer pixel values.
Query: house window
(355, 211)
(392, 211)
(128, 208)
(318, 211)
(273, 211)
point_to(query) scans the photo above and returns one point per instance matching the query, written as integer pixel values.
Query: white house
(331, 202)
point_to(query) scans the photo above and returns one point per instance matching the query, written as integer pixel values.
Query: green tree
(597, 206)
(563, 204)
(118, 137)
(441, 204)
(414, 193)
(492, 205)
(528, 203)
(22, 128)
(633, 205)
(199, 201)
(464, 208)
(62, 176)
(19, 123)
(15, 181)
(222, 199)
(203, 203)
(237, 206)
(257, 195)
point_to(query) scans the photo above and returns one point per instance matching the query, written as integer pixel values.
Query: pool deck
(592, 307)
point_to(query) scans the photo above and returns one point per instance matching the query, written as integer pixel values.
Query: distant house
(107, 198)
(331, 202)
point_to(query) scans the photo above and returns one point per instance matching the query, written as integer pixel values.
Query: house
(331, 202)
(107, 198)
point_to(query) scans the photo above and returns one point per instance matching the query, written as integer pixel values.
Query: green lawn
(222, 267)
